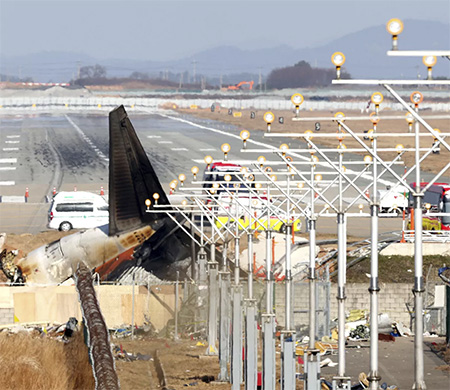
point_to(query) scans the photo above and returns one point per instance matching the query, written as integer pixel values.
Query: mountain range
(365, 53)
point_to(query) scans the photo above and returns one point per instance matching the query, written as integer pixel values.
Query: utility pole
(194, 63)
(78, 69)
(220, 81)
(181, 80)
(260, 80)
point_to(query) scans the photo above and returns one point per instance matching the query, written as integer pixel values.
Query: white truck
(393, 201)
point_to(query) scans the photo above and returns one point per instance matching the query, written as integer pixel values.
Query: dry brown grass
(34, 362)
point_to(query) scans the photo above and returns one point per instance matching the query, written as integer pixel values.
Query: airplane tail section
(132, 178)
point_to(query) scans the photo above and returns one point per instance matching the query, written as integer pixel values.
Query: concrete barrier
(12, 199)
(407, 249)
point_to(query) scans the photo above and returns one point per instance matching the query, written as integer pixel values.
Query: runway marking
(7, 183)
(12, 142)
(207, 150)
(179, 149)
(153, 136)
(8, 160)
(13, 136)
(7, 168)
(165, 142)
(86, 138)
(9, 149)
(270, 147)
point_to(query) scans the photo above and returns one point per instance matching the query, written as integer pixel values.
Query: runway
(65, 151)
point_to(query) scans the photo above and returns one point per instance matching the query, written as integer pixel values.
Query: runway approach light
(416, 97)
(156, 197)
(437, 131)
(370, 134)
(429, 62)
(268, 169)
(309, 135)
(173, 185)
(315, 160)
(360, 206)
(208, 160)
(367, 159)
(374, 118)
(300, 185)
(394, 27)
(284, 148)
(428, 206)
(182, 178)
(258, 186)
(410, 119)
(342, 147)
(245, 135)
(297, 100)
(376, 99)
(399, 148)
(184, 202)
(261, 160)
(318, 177)
(269, 117)
(195, 171)
(227, 177)
(273, 177)
(148, 203)
(338, 59)
(225, 149)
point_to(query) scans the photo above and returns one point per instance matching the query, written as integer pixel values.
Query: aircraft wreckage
(132, 237)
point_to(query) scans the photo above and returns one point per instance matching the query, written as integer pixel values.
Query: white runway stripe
(8, 160)
(7, 183)
(153, 136)
(179, 149)
(165, 142)
(9, 149)
(7, 168)
(207, 150)
(12, 142)
(13, 136)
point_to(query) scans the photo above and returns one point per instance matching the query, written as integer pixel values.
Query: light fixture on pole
(338, 59)
(410, 119)
(195, 171)
(284, 148)
(261, 160)
(156, 197)
(181, 178)
(394, 27)
(429, 62)
(148, 203)
(225, 149)
(208, 161)
(245, 135)
(376, 99)
(297, 99)
(269, 117)
(416, 98)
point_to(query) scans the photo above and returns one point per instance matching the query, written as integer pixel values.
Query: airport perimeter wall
(56, 304)
(136, 103)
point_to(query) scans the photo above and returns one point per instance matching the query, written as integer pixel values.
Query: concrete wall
(58, 303)
(392, 301)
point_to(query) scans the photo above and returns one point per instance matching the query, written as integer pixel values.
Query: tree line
(301, 75)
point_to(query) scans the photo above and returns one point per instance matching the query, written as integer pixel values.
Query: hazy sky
(163, 30)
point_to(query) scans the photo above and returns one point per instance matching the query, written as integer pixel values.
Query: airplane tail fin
(132, 178)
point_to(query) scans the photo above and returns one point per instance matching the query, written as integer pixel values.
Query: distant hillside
(365, 51)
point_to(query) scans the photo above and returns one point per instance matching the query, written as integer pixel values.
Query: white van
(77, 210)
